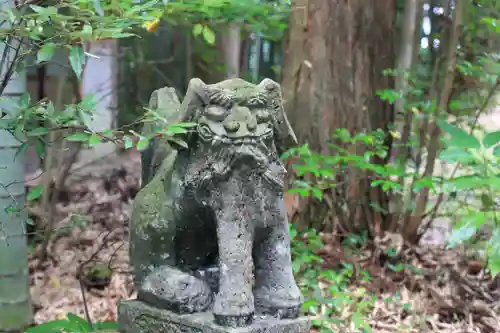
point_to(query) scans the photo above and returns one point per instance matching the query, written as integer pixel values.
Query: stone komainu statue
(209, 229)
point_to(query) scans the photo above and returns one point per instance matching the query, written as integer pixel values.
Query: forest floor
(443, 292)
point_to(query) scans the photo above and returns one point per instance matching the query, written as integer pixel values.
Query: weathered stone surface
(209, 229)
(137, 317)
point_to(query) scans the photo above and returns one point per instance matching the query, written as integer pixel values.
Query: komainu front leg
(276, 292)
(233, 305)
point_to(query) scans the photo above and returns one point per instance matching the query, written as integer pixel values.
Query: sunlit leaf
(491, 139)
(197, 29)
(94, 139)
(459, 137)
(494, 253)
(35, 193)
(142, 144)
(466, 182)
(208, 35)
(466, 227)
(456, 154)
(78, 137)
(46, 52)
(174, 130)
(77, 324)
(128, 142)
(55, 326)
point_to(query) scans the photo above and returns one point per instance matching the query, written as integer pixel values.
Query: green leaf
(11, 210)
(142, 144)
(78, 137)
(457, 155)
(38, 131)
(77, 324)
(494, 253)
(94, 140)
(174, 130)
(208, 35)
(24, 100)
(55, 326)
(46, 52)
(21, 149)
(466, 182)
(303, 192)
(459, 137)
(77, 59)
(466, 227)
(88, 103)
(128, 142)
(197, 29)
(178, 142)
(118, 35)
(85, 117)
(87, 32)
(108, 325)
(491, 139)
(50, 108)
(35, 193)
(40, 148)
(493, 182)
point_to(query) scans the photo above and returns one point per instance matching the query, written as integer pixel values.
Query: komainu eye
(262, 116)
(205, 131)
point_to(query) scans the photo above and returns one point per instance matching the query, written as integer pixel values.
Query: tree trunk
(230, 41)
(15, 303)
(333, 67)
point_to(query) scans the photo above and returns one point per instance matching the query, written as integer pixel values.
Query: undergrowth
(335, 297)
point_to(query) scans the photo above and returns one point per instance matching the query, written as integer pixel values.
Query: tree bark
(333, 67)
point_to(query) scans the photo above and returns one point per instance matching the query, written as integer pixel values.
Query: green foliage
(360, 154)
(335, 298)
(267, 17)
(326, 291)
(27, 118)
(72, 324)
(69, 24)
(478, 157)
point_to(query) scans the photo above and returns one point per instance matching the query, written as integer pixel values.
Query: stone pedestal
(137, 317)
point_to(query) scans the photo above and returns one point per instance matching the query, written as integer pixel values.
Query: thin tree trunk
(405, 62)
(231, 48)
(15, 303)
(411, 227)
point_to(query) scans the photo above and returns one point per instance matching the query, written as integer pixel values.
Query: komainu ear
(283, 133)
(196, 97)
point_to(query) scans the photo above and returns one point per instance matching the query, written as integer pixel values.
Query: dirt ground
(102, 194)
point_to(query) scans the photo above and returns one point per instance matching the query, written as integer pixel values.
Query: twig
(60, 180)
(11, 67)
(80, 275)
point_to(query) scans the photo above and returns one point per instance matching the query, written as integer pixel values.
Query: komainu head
(239, 125)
